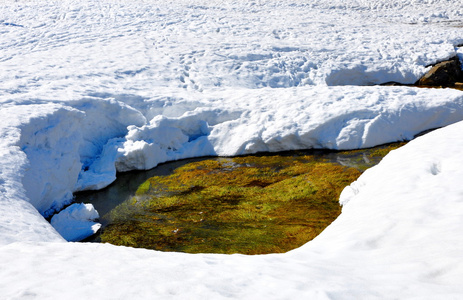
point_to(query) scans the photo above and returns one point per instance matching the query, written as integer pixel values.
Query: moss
(366, 158)
(143, 188)
(250, 205)
(383, 151)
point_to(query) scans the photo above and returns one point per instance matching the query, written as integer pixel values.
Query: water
(124, 188)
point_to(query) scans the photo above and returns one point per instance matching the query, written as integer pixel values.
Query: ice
(92, 88)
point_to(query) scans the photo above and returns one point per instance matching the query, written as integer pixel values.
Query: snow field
(73, 49)
(89, 88)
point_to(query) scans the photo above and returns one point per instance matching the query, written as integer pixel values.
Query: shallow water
(125, 187)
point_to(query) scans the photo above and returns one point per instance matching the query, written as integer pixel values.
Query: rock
(445, 73)
(392, 83)
(458, 86)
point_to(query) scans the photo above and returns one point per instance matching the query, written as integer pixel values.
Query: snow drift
(80, 145)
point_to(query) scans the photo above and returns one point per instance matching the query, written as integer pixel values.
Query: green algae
(251, 204)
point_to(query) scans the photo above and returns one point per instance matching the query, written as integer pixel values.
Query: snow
(76, 222)
(397, 236)
(89, 88)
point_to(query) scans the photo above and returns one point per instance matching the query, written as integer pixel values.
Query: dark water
(126, 185)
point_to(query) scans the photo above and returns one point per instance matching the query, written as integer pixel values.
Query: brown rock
(459, 86)
(445, 73)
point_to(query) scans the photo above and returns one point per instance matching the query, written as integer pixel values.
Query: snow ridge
(82, 145)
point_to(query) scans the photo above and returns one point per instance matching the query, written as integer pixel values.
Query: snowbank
(80, 145)
(397, 237)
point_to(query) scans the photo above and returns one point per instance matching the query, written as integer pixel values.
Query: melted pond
(257, 204)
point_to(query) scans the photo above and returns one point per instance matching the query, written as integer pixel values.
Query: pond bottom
(250, 205)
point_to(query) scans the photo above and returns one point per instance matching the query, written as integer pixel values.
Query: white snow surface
(76, 222)
(89, 88)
